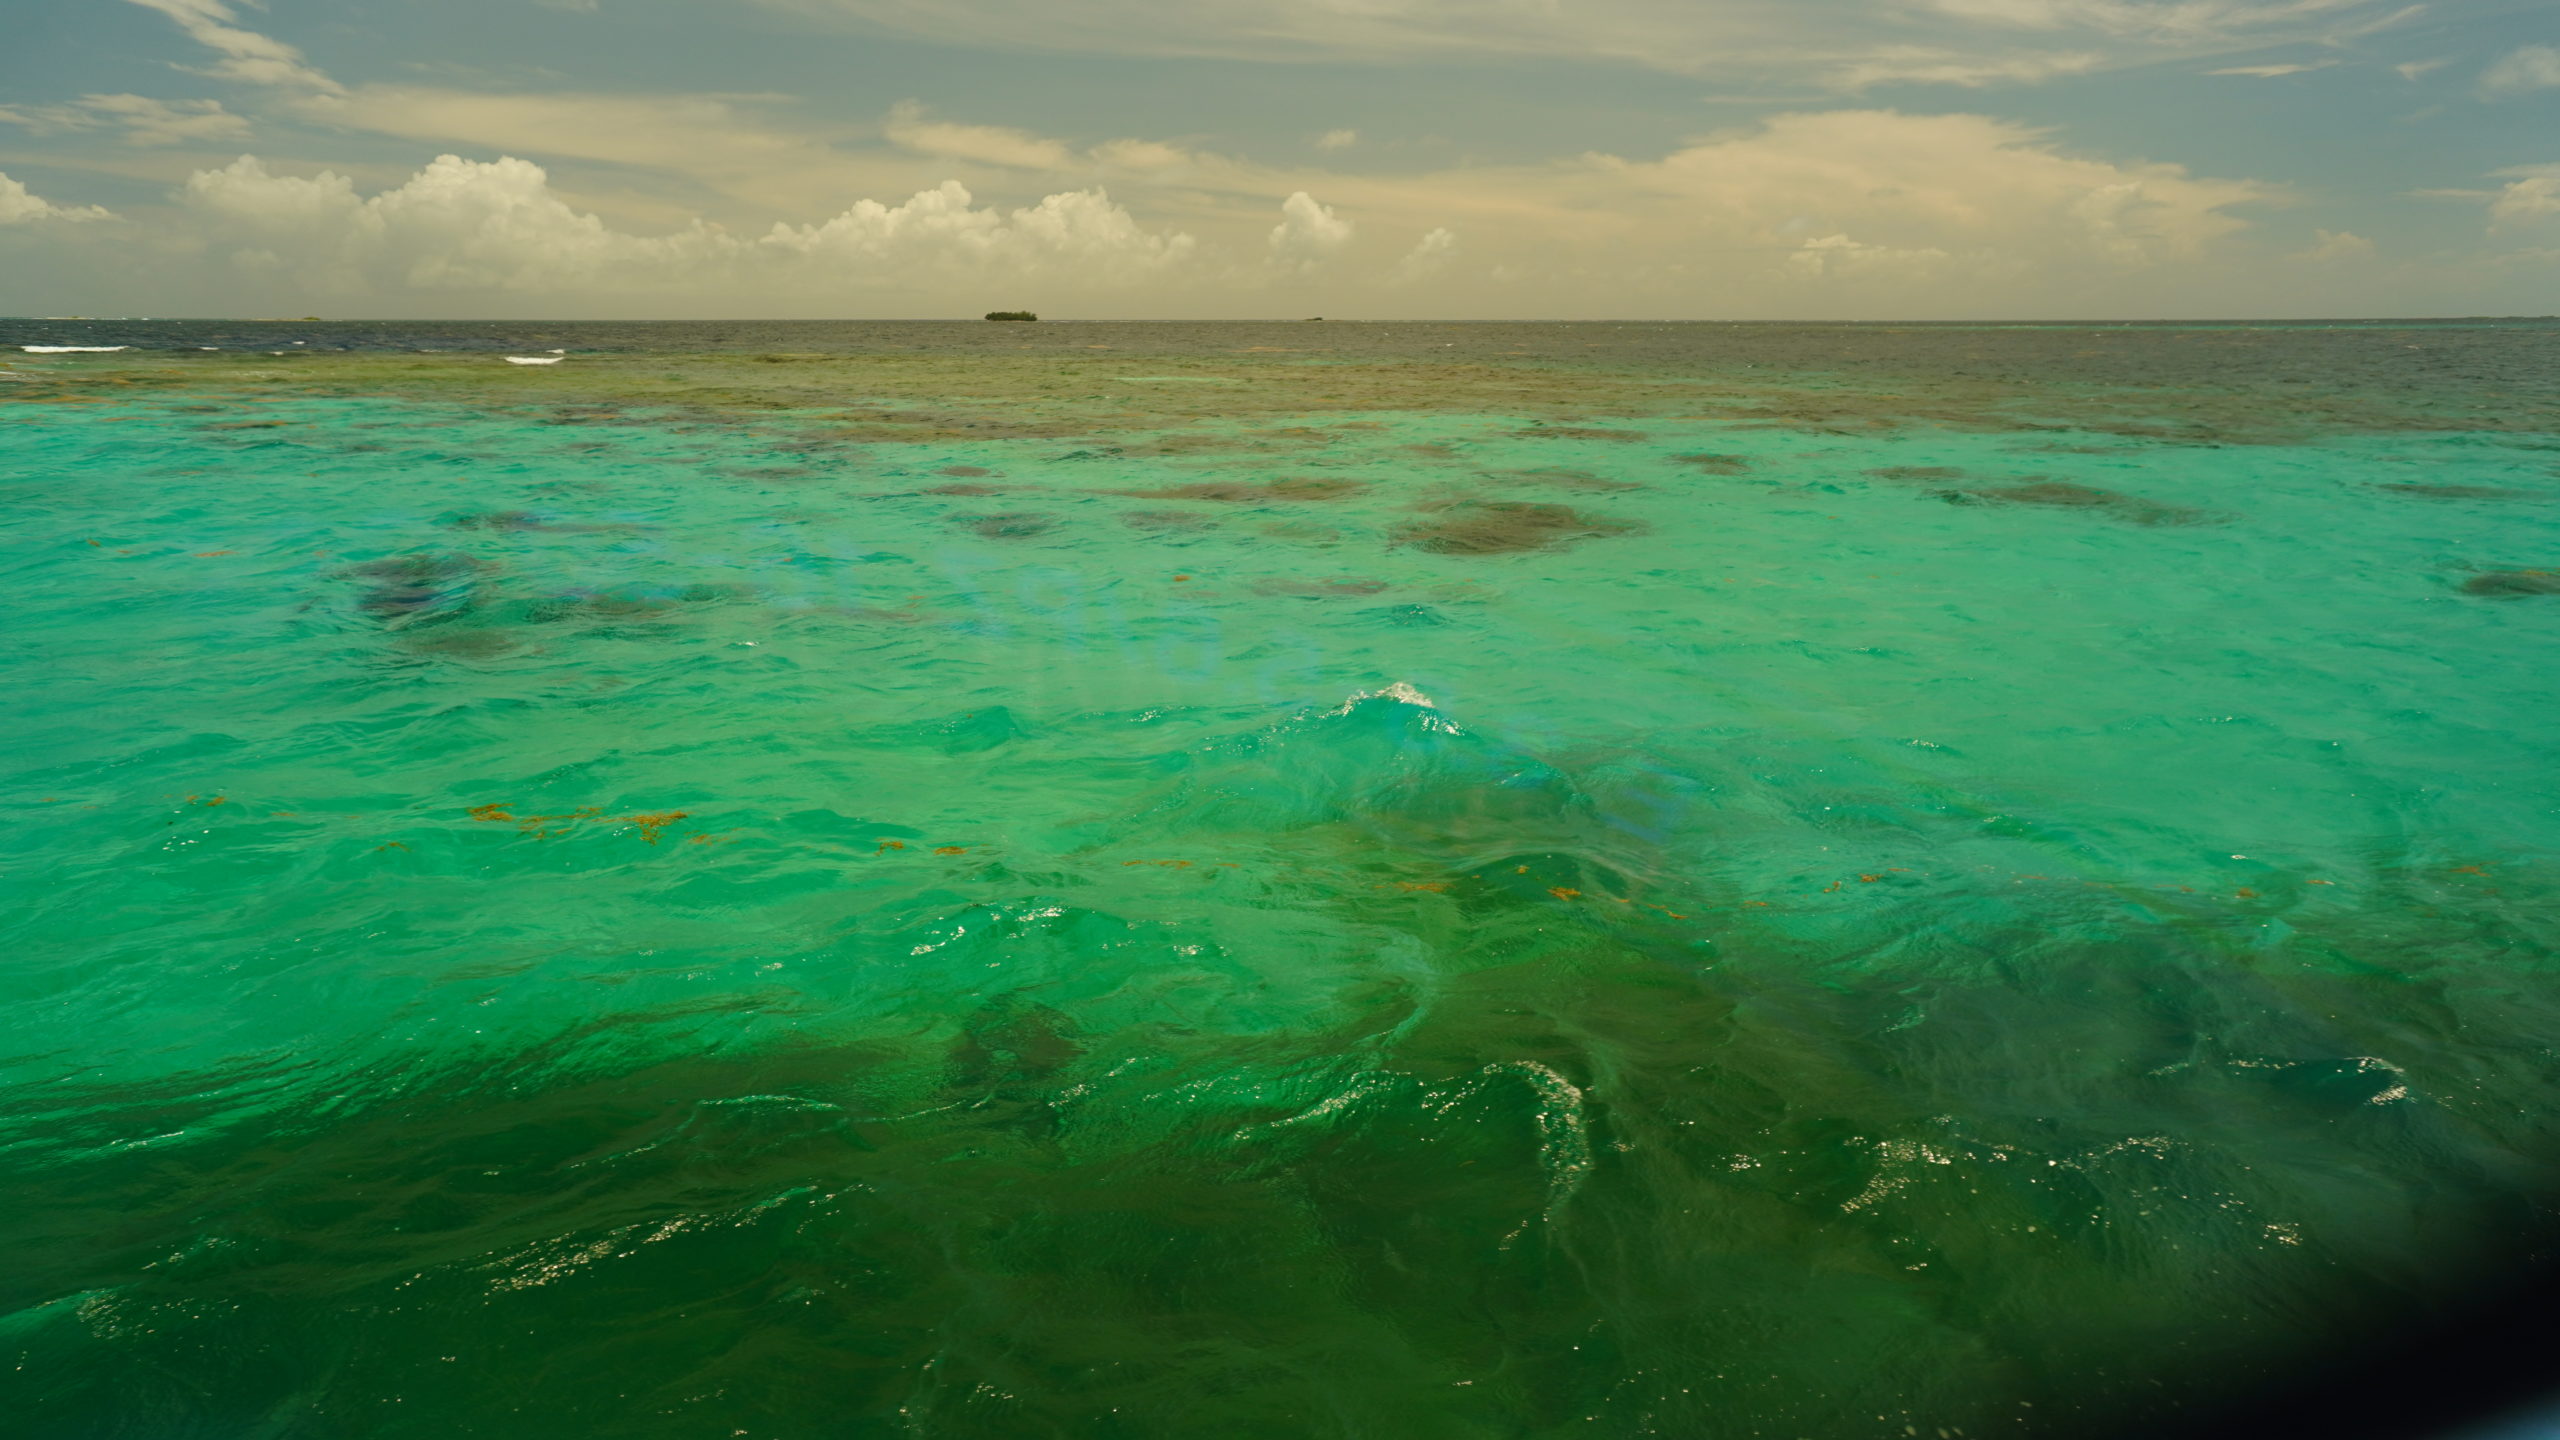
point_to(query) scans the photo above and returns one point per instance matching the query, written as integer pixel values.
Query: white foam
(1399, 692)
(533, 359)
(73, 349)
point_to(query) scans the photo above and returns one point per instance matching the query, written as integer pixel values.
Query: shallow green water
(654, 927)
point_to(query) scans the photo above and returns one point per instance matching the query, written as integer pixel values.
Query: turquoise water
(1391, 924)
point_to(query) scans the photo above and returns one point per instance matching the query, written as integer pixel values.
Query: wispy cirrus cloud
(2521, 72)
(140, 119)
(1938, 42)
(2273, 72)
(242, 55)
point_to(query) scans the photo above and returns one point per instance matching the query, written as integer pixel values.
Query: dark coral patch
(1163, 521)
(1411, 617)
(2066, 495)
(1579, 432)
(1498, 527)
(1320, 589)
(624, 603)
(399, 587)
(1561, 479)
(459, 643)
(2459, 492)
(1237, 492)
(533, 520)
(1715, 464)
(1011, 525)
(1923, 473)
(2511, 584)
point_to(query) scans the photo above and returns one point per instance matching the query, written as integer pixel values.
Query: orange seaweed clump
(891, 845)
(1564, 892)
(950, 849)
(530, 824)
(650, 825)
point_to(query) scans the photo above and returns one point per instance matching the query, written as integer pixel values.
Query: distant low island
(1011, 315)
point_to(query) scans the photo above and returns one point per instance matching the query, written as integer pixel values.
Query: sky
(1465, 159)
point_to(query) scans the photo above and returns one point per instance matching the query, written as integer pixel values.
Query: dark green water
(1431, 921)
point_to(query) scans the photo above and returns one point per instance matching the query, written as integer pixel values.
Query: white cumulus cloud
(2330, 247)
(21, 206)
(1959, 184)
(1078, 235)
(2534, 196)
(1840, 255)
(456, 225)
(1308, 234)
(1428, 256)
(1861, 212)
(465, 225)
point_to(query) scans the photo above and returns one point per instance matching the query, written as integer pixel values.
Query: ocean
(1265, 879)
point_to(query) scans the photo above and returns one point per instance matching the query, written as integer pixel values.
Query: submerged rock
(1012, 1039)
(1579, 432)
(1918, 473)
(1496, 527)
(401, 587)
(1410, 617)
(1715, 464)
(2066, 495)
(629, 602)
(1009, 525)
(455, 642)
(2511, 584)
(1320, 589)
(1564, 480)
(1238, 492)
(533, 520)
(1300, 532)
(2459, 492)
(1024, 315)
(1161, 521)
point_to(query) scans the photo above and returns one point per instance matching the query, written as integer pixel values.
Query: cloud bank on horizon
(1626, 158)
